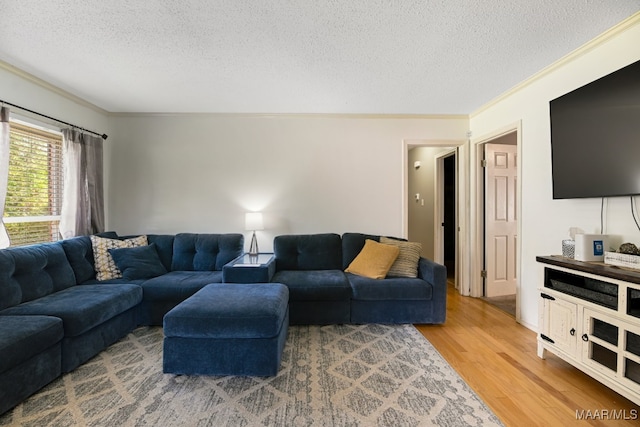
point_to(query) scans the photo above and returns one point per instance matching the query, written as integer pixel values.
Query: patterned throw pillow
(374, 260)
(406, 265)
(105, 266)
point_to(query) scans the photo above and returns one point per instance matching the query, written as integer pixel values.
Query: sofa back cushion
(38, 270)
(80, 255)
(352, 244)
(205, 252)
(308, 252)
(164, 246)
(10, 292)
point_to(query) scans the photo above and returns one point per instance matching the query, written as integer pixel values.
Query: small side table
(250, 269)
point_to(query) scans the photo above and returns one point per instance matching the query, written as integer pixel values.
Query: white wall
(545, 222)
(307, 174)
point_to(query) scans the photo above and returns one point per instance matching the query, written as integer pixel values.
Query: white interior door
(501, 224)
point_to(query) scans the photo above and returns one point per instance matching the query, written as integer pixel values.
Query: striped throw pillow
(406, 265)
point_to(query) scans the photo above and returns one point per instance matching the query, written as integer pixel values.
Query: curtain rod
(104, 135)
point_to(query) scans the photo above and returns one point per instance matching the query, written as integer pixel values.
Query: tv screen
(595, 137)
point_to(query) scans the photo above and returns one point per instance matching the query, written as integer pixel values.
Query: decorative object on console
(622, 260)
(253, 222)
(569, 248)
(569, 245)
(591, 247)
(628, 256)
(629, 248)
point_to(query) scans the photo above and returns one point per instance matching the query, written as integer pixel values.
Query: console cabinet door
(601, 339)
(559, 322)
(612, 346)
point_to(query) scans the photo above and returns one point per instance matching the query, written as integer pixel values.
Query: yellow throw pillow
(374, 260)
(105, 266)
(406, 265)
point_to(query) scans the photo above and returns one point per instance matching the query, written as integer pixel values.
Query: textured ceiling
(296, 56)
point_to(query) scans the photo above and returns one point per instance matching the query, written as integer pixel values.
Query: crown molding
(582, 50)
(51, 88)
(298, 115)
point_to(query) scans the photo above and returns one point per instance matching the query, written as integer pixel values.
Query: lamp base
(253, 248)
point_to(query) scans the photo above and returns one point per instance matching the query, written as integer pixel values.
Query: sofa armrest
(432, 272)
(436, 274)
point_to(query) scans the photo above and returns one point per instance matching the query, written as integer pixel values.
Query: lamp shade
(253, 221)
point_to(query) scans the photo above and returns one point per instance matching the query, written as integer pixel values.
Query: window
(34, 193)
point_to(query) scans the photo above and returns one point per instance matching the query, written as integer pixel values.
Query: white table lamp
(253, 222)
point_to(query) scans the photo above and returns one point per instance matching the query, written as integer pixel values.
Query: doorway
(432, 192)
(447, 205)
(423, 195)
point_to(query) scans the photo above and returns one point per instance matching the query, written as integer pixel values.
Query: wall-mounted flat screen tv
(595, 137)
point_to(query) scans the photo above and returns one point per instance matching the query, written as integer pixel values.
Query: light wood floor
(497, 358)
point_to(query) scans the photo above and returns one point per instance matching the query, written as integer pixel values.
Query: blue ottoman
(228, 329)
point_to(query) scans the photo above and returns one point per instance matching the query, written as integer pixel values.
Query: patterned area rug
(339, 375)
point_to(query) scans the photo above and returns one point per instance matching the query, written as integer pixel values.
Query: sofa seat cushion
(178, 285)
(22, 337)
(315, 285)
(82, 307)
(389, 289)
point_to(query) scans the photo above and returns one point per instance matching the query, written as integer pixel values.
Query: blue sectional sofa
(55, 314)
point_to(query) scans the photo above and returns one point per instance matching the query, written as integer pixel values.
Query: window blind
(34, 193)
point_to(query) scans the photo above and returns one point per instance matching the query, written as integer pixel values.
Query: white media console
(590, 317)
